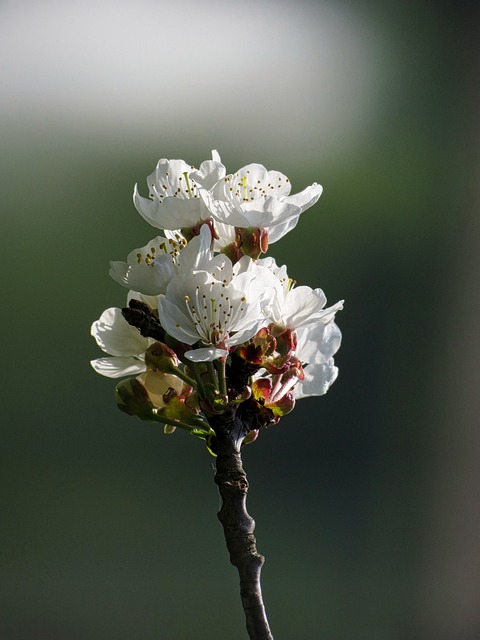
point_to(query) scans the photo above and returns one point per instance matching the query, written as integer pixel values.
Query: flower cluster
(212, 330)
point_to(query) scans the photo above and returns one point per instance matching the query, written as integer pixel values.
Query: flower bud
(159, 357)
(132, 398)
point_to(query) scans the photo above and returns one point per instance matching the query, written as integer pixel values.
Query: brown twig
(238, 526)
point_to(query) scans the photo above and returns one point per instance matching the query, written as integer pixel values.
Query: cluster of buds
(211, 328)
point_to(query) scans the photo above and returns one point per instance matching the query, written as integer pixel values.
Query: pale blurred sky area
(270, 73)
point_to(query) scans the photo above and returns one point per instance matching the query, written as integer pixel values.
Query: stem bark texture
(238, 527)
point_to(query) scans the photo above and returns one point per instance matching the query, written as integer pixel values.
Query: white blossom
(217, 304)
(294, 307)
(174, 201)
(201, 283)
(258, 198)
(149, 269)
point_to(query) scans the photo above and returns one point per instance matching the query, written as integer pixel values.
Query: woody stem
(238, 527)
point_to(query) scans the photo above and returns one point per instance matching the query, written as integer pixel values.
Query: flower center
(247, 189)
(166, 186)
(148, 255)
(214, 315)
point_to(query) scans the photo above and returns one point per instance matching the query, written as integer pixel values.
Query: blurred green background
(366, 500)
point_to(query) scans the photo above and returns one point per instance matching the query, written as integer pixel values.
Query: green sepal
(132, 398)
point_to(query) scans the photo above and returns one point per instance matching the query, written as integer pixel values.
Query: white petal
(261, 214)
(306, 198)
(146, 208)
(281, 183)
(280, 230)
(318, 342)
(176, 323)
(245, 334)
(175, 213)
(118, 271)
(318, 379)
(115, 336)
(117, 367)
(253, 172)
(157, 384)
(152, 301)
(197, 253)
(206, 354)
(327, 315)
(226, 235)
(150, 279)
(300, 306)
(210, 171)
(172, 212)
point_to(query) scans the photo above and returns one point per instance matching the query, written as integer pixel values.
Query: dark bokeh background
(366, 500)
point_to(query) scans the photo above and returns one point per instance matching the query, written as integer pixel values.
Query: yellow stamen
(185, 173)
(245, 190)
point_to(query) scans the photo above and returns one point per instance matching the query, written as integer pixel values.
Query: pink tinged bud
(264, 240)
